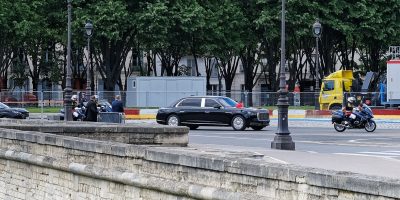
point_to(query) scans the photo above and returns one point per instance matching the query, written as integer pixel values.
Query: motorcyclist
(77, 107)
(74, 100)
(348, 110)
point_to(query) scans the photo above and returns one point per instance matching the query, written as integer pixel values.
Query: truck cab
(332, 89)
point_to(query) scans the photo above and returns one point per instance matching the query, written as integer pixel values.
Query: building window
(242, 87)
(241, 68)
(191, 64)
(214, 87)
(214, 70)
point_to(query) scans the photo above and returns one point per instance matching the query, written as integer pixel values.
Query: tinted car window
(174, 103)
(211, 103)
(227, 102)
(190, 102)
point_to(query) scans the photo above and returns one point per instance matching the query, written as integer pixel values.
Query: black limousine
(198, 111)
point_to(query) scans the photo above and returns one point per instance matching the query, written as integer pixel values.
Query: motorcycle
(104, 106)
(359, 119)
(79, 113)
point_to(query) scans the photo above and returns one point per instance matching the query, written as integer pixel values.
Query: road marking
(359, 144)
(383, 155)
(366, 155)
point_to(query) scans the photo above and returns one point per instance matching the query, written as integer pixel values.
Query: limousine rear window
(195, 102)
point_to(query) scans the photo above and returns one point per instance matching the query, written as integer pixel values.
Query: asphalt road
(381, 143)
(318, 145)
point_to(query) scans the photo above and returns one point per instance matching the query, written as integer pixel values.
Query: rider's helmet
(74, 97)
(351, 100)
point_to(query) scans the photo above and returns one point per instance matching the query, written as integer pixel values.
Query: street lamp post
(317, 30)
(282, 139)
(68, 88)
(89, 33)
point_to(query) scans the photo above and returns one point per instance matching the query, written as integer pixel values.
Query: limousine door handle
(181, 111)
(207, 111)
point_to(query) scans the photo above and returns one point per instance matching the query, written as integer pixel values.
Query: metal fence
(47, 99)
(44, 100)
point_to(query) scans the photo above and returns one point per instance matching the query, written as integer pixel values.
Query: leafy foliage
(233, 32)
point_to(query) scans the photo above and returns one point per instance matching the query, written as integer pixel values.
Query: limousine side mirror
(217, 106)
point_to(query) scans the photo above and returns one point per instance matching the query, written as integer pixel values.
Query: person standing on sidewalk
(117, 105)
(91, 109)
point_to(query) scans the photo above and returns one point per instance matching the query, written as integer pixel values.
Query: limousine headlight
(262, 116)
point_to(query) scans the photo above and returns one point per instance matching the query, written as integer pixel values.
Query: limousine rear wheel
(238, 123)
(173, 120)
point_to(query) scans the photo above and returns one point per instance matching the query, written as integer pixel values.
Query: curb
(136, 113)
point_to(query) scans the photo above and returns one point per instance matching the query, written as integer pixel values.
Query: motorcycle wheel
(370, 126)
(339, 127)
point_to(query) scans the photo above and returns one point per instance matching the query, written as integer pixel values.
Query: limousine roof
(205, 97)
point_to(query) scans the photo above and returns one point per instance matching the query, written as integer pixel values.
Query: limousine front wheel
(173, 120)
(238, 123)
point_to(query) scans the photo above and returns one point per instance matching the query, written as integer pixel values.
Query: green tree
(226, 32)
(114, 35)
(36, 25)
(171, 29)
(269, 22)
(19, 73)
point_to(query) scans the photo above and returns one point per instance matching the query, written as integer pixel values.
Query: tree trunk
(228, 87)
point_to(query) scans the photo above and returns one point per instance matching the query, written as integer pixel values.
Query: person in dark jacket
(117, 105)
(91, 109)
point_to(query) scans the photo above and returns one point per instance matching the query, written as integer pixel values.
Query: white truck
(144, 91)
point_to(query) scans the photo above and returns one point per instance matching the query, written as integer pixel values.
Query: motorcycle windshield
(368, 110)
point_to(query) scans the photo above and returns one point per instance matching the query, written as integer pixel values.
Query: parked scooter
(357, 120)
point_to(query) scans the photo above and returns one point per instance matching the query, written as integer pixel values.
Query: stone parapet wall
(35, 165)
(124, 133)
